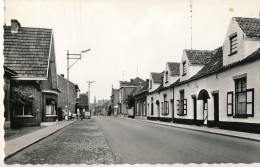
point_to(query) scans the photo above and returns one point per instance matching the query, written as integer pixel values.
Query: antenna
(137, 70)
(191, 24)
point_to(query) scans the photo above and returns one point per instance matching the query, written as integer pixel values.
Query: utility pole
(89, 82)
(77, 57)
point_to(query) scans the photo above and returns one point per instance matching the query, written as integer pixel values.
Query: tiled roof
(218, 67)
(215, 63)
(142, 89)
(27, 51)
(136, 82)
(250, 26)
(174, 68)
(157, 77)
(198, 57)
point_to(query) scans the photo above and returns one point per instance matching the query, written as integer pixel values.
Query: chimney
(15, 25)
(62, 75)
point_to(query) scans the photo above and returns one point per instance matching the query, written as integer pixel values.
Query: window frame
(233, 50)
(231, 103)
(184, 68)
(23, 107)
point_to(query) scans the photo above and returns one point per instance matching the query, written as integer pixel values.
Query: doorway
(204, 96)
(216, 109)
(194, 109)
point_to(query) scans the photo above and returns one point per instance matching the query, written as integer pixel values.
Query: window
(162, 108)
(244, 99)
(165, 106)
(23, 109)
(150, 84)
(230, 103)
(233, 43)
(182, 104)
(147, 108)
(184, 66)
(166, 77)
(50, 107)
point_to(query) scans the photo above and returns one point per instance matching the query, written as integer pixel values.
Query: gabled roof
(136, 82)
(157, 77)
(215, 63)
(174, 68)
(250, 26)
(143, 89)
(27, 51)
(218, 67)
(198, 57)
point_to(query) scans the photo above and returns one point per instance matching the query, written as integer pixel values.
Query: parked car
(87, 115)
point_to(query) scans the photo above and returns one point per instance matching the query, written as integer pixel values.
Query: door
(194, 110)
(216, 109)
(205, 111)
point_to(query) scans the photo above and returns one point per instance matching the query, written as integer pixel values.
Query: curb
(6, 157)
(199, 130)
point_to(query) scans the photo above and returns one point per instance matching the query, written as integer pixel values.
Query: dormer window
(233, 43)
(184, 66)
(150, 84)
(166, 77)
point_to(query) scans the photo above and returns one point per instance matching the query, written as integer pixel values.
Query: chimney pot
(15, 25)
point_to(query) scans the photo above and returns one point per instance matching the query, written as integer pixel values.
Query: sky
(127, 38)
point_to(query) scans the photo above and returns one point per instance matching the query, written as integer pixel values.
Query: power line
(75, 14)
(67, 23)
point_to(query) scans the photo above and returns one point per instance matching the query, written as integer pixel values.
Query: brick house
(83, 102)
(114, 100)
(8, 73)
(223, 91)
(126, 89)
(63, 96)
(140, 101)
(34, 90)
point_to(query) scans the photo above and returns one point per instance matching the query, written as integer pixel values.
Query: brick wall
(63, 97)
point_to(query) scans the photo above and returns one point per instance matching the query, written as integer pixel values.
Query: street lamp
(77, 57)
(89, 82)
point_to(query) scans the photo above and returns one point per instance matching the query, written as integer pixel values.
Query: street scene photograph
(130, 82)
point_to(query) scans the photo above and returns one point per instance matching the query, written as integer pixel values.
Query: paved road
(140, 142)
(81, 142)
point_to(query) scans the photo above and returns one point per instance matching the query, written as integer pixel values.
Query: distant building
(63, 96)
(34, 93)
(126, 89)
(83, 102)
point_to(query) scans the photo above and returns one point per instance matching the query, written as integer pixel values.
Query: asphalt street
(140, 142)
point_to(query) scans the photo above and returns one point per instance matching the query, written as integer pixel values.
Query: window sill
(23, 116)
(182, 114)
(240, 116)
(51, 115)
(232, 53)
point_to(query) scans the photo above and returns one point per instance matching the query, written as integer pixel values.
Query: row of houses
(34, 93)
(215, 88)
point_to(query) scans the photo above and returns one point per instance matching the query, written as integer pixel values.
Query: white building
(160, 96)
(222, 87)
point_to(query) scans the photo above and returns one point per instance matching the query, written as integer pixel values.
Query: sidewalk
(243, 135)
(14, 145)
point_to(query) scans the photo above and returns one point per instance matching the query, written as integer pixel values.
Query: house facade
(114, 101)
(126, 88)
(163, 94)
(153, 104)
(30, 53)
(221, 87)
(140, 102)
(63, 96)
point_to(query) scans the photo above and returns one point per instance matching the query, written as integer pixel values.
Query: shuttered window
(233, 43)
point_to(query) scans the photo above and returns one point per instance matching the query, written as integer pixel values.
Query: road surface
(134, 141)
